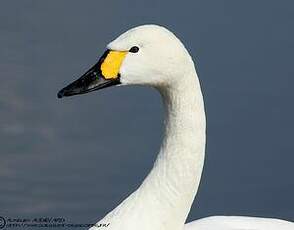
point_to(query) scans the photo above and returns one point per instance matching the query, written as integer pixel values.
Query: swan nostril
(95, 75)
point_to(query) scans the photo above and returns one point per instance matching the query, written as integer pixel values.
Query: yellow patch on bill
(111, 64)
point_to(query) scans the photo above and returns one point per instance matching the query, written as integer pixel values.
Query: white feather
(164, 199)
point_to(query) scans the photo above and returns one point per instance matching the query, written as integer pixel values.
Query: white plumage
(238, 223)
(164, 199)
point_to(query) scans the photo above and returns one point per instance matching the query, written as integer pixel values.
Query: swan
(152, 55)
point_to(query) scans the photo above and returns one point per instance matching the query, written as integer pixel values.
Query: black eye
(134, 49)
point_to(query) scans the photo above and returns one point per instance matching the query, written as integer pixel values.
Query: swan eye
(134, 49)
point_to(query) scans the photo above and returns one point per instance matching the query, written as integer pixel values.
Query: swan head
(145, 55)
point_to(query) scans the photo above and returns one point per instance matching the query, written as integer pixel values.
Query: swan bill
(103, 74)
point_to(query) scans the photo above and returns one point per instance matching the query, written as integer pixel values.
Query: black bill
(90, 81)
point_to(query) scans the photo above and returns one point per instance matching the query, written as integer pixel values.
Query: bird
(152, 55)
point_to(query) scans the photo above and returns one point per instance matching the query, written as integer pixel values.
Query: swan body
(152, 55)
(238, 223)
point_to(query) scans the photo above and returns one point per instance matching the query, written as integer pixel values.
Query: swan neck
(164, 199)
(173, 182)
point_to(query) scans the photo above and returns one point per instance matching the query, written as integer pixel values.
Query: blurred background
(80, 157)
